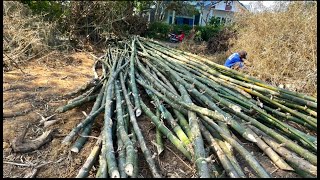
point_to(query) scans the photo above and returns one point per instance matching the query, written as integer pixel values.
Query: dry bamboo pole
(84, 171)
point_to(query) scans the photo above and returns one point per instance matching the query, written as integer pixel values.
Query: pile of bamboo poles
(197, 104)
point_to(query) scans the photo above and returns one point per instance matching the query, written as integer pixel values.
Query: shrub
(219, 42)
(160, 30)
(204, 33)
(25, 36)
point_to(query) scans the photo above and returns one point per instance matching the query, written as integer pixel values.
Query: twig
(18, 164)
(89, 136)
(179, 158)
(15, 64)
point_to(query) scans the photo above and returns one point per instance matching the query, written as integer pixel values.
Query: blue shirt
(232, 60)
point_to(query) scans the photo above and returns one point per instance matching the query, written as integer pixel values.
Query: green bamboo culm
(76, 103)
(165, 131)
(133, 80)
(232, 173)
(167, 115)
(95, 111)
(138, 133)
(123, 134)
(159, 140)
(256, 166)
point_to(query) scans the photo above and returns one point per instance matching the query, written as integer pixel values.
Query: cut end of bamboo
(59, 110)
(115, 174)
(75, 149)
(251, 138)
(138, 112)
(66, 142)
(236, 108)
(285, 167)
(129, 169)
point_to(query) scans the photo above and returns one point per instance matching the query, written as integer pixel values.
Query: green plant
(52, 9)
(204, 33)
(214, 21)
(158, 30)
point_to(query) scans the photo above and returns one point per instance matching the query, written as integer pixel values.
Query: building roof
(208, 3)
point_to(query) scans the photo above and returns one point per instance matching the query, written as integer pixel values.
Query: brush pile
(25, 36)
(198, 105)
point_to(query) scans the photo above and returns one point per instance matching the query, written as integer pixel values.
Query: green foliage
(160, 30)
(184, 27)
(182, 8)
(52, 10)
(204, 33)
(214, 21)
(142, 5)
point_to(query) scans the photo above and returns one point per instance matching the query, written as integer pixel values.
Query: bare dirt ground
(40, 91)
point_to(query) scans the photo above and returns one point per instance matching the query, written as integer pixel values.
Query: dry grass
(281, 46)
(25, 36)
(202, 50)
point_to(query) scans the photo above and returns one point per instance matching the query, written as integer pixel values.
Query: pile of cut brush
(198, 105)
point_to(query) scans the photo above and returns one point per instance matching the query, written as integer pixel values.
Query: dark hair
(243, 54)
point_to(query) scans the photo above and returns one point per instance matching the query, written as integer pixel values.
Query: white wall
(219, 11)
(224, 14)
(235, 6)
(204, 16)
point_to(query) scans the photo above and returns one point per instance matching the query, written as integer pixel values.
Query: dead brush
(202, 50)
(281, 45)
(25, 36)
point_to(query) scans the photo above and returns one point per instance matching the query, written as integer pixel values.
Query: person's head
(180, 32)
(243, 54)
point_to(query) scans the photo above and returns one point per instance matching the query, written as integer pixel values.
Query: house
(222, 10)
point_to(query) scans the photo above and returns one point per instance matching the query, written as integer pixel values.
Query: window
(185, 21)
(182, 20)
(223, 20)
(219, 20)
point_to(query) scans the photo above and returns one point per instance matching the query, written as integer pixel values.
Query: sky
(265, 3)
